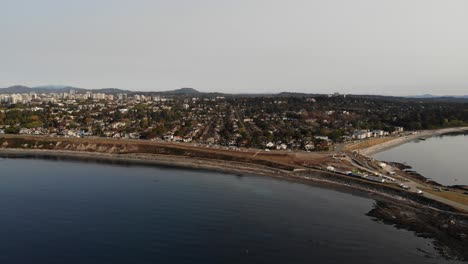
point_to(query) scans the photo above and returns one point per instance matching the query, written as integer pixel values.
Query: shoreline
(406, 139)
(178, 162)
(169, 161)
(294, 166)
(314, 176)
(391, 206)
(416, 180)
(422, 214)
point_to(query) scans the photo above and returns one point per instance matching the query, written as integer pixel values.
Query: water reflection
(73, 212)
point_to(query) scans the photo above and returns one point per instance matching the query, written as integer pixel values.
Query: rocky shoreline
(448, 231)
(412, 173)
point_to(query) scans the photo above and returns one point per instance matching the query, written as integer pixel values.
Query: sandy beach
(405, 139)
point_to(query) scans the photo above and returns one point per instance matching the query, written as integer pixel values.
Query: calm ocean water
(443, 159)
(75, 212)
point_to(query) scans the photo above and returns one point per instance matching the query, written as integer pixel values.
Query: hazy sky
(350, 46)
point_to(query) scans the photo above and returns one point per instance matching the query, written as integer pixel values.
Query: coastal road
(415, 187)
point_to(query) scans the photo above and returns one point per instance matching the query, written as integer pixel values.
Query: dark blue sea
(84, 212)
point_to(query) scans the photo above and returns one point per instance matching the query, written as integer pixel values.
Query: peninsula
(316, 139)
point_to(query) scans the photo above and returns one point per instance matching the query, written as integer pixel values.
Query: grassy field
(450, 195)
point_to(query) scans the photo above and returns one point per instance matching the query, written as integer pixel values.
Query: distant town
(279, 122)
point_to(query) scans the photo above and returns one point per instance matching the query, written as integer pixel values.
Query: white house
(309, 146)
(168, 137)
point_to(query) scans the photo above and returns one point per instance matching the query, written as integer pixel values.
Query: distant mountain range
(429, 96)
(449, 98)
(191, 92)
(177, 92)
(65, 89)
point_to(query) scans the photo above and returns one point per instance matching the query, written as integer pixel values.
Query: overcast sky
(396, 47)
